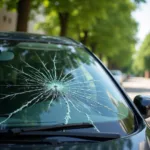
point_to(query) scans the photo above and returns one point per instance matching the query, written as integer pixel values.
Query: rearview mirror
(143, 105)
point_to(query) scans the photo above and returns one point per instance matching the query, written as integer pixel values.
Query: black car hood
(138, 140)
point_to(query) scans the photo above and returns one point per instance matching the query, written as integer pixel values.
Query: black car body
(55, 94)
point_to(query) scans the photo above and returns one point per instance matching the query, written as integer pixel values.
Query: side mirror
(143, 105)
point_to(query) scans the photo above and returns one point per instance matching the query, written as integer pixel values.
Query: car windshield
(43, 84)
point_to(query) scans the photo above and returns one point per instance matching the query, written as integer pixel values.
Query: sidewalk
(137, 86)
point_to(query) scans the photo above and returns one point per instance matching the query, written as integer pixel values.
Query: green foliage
(51, 24)
(10, 4)
(142, 60)
(147, 62)
(107, 27)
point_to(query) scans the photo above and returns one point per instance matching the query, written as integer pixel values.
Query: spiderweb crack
(43, 84)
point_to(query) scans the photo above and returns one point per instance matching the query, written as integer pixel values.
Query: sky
(142, 16)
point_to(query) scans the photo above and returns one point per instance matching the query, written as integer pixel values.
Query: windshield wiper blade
(53, 127)
(46, 137)
(4, 115)
(43, 132)
(99, 136)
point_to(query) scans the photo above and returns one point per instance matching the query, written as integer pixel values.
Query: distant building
(7, 20)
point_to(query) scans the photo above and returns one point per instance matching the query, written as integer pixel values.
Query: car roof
(30, 37)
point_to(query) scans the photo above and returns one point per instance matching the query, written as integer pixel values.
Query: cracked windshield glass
(43, 84)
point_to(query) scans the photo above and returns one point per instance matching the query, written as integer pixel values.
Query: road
(137, 86)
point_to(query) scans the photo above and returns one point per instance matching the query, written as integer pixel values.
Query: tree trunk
(109, 63)
(93, 47)
(147, 74)
(100, 56)
(85, 37)
(63, 18)
(23, 10)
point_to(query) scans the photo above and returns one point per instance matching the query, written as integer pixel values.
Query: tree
(24, 7)
(114, 35)
(142, 59)
(109, 29)
(80, 12)
(23, 10)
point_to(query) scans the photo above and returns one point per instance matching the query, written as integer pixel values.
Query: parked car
(118, 75)
(56, 94)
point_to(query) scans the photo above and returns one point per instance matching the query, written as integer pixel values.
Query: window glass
(44, 84)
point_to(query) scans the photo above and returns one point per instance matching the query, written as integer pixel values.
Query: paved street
(137, 86)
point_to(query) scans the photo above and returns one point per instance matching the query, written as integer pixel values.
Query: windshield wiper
(104, 136)
(43, 132)
(4, 115)
(53, 127)
(34, 135)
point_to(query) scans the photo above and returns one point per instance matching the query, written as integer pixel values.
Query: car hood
(138, 140)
